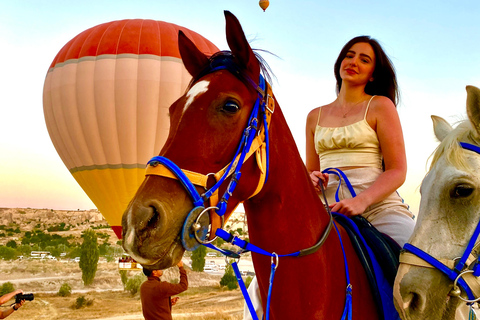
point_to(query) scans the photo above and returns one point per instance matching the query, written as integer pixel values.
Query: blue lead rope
(243, 288)
(347, 311)
(270, 286)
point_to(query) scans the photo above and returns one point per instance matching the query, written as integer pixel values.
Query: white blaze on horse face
(196, 90)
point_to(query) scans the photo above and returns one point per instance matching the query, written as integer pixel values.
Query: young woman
(360, 133)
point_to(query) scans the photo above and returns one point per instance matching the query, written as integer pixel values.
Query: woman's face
(358, 65)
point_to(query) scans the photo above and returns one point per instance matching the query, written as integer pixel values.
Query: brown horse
(286, 215)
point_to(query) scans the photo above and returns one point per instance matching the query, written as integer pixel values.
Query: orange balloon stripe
(135, 36)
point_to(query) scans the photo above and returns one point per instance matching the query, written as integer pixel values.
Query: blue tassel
(347, 312)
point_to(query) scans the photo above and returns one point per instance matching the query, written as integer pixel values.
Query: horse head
(448, 220)
(206, 125)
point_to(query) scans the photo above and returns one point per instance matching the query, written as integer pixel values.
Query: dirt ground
(204, 300)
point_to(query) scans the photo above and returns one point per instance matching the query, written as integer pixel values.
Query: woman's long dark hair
(384, 79)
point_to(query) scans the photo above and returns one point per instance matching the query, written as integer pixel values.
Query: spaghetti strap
(368, 105)
(318, 118)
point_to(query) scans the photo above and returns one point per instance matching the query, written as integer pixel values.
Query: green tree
(229, 280)
(12, 244)
(198, 258)
(89, 256)
(7, 253)
(25, 249)
(54, 251)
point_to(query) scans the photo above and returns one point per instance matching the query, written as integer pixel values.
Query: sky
(434, 46)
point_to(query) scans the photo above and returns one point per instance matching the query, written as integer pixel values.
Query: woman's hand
(349, 207)
(319, 178)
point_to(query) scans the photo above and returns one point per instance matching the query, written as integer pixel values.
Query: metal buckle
(269, 101)
(277, 261)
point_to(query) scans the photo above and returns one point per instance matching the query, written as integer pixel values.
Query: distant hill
(28, 216)
(28, 219)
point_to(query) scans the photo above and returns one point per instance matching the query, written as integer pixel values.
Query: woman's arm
(312, 160)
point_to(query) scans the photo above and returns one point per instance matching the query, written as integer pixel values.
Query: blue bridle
(461, 267)
(194, 232)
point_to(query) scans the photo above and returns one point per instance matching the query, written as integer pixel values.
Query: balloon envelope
(106, 97)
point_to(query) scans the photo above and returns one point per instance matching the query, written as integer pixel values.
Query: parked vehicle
(209, 269)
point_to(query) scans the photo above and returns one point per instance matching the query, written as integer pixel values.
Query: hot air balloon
(105, 99)
(264, 4)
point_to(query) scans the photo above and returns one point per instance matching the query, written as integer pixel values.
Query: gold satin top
(354, 145)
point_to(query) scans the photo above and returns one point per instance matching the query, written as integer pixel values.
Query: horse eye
(462, 191)
(231, 107)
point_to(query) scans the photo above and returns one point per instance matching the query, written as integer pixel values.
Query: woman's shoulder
(382, 104)
(313, 115)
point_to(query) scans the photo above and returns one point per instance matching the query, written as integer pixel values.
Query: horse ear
(193, 59)
(441, 127)
(238, 44)
(473, 107)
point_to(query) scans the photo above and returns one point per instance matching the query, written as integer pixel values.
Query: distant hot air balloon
(264, 4)
(105, 99)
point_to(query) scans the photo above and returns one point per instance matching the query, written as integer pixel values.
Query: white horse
(447, 221)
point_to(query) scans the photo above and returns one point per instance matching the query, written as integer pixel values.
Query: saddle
(379, 255)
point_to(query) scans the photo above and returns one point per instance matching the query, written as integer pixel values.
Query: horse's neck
(288, 204)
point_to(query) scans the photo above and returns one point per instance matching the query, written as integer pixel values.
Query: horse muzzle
(149, 235)
(417, 294)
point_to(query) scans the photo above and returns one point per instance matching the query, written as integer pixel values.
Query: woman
(360, 133)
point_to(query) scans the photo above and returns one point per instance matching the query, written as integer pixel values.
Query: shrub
(248, 280)
(7, 287)
(65, 290)
(134, 283)
(124, 278)
(229, 280)
(82, 302)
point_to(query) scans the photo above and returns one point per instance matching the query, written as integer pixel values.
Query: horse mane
(450, 146)
(226, 60)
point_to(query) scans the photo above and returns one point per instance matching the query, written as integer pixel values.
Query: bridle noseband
(464, 272)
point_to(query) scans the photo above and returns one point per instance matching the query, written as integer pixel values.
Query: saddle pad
(386, 250)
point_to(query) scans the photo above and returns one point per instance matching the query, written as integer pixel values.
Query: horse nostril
(152, 222)
(414, 302)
